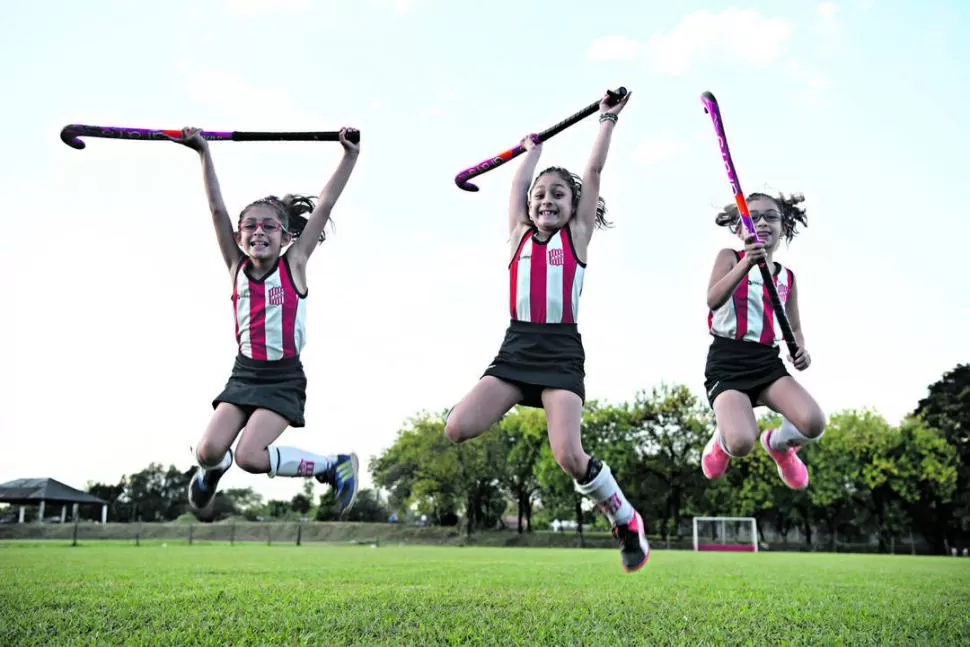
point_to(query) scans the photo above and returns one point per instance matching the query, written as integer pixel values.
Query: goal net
(726, 533)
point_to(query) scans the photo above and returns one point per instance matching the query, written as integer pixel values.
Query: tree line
(868, 477)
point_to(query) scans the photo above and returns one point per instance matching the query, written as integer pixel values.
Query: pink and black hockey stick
(711, 108)
(72, 133)
(494, 162)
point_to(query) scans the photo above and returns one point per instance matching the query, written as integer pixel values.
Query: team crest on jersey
(276, 296)
(782, 291)
(555, 257)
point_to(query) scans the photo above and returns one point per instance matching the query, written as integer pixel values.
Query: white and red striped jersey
(546, 279)
(270, 313)
(748, 315)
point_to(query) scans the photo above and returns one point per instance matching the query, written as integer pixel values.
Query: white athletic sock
(787, 435)
(290, 461)
(223, 463)
(607, 496)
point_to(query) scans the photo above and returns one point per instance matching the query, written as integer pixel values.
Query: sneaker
(342, 477)
(634, 549)
(714, 460)
(790, 468)
(202, 487)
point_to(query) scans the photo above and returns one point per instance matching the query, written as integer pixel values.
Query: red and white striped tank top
(546, 279)
(748, 314)
(270, 313)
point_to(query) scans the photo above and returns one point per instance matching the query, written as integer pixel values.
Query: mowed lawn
(216, 594)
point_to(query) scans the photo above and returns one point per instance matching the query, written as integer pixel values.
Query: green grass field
(252, 594)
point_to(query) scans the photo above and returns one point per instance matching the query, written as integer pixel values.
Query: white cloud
(828, 10)
(659, 147)
(810, 76)
(733, 35)
(829, 28)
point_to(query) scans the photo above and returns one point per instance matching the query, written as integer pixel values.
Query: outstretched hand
(614, 109)
(349, 146)
(192, 139)
(531, 141)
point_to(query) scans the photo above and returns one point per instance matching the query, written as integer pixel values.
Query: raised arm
(225, 233)
(586, 211)
(519, 195)
(309, 238)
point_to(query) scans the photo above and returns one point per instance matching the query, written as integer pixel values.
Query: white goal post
(738, 534)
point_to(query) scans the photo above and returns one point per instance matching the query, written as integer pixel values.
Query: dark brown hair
(791, 213)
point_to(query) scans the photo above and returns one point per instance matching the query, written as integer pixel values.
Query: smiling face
(550, 202)
(261, 234)
(766, 215)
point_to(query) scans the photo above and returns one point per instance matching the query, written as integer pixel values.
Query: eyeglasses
(269, 226)
(771, 215)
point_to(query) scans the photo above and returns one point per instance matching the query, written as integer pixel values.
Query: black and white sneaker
(634, 549)
(202, 488)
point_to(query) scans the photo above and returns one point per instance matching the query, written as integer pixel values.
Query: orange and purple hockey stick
(711, 108)
(494, 162)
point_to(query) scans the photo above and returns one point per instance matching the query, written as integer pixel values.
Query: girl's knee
(739, 446)
(453, 427)
(460, 426)
(208, 452)
(815, 424)
(250, 460)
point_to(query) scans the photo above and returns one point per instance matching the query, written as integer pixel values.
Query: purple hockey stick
(711, 108)
(72, 133)
(494, 162)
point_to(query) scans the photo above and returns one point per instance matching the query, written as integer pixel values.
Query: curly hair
(791, 213)
(291, 209)
(575, 184)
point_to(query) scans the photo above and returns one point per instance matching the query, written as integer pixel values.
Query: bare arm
(307, 242)
(519, 196)
(725, 277)
(225, 234)
(586, 211)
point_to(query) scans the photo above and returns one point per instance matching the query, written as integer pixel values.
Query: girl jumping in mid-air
(266, 391)
(744, 369)
(541, 362)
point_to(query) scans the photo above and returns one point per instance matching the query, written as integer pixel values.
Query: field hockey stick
(494, 162)
(72, 133)
(711, 108)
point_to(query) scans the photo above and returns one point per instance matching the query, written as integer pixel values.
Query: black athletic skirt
(738, 365)
(536, 356)
(278, 385)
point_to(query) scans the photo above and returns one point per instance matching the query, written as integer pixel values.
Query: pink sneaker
(634, 549)
(714, 460)
(790, 468)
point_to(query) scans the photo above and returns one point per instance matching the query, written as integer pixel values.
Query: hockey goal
(739, 534)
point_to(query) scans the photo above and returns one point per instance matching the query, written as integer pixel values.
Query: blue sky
(118, 318)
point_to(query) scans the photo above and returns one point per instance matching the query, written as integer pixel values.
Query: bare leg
(736, 423)
(213, 453)
(484, 405)
(806, 421)
(224, 425)
(792, 401)
(258, 453)
(592, 477)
